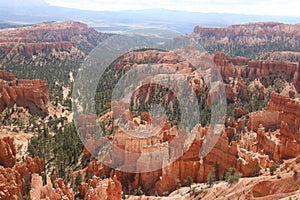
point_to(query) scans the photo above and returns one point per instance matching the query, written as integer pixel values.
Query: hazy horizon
(255, 7)
(178, 15)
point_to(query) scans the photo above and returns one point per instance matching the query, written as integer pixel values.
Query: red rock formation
(230, 94)
(268, 118)
(263, 187)
(58, 192)
(30, 49)
(279, 109)
(46, 37)
(290, 142)
(244, 154)
(6, 76)
(97, 189)
(98, 169)
(26, 169)
(239, 112)
(235, 71)
(223, 154)
(15, 182)
(265, 71)
(267, 187)
(191, 164)
(168, 59)
(281, 119)
(15, 179)
(249, 39)
(10, 184)
(128, 151)
(242, 90)
(31, 94)
(30, 166)
(8, 152)
(288, 110)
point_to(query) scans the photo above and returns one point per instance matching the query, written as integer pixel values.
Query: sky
(257, 7)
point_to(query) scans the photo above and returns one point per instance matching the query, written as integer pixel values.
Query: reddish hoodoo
(243, 154)
(15, 182)
(278, 128)
(279, 109)
(223, 155)
(57, 192)
(31, 94)
(265, 71)
(97, 189)
(8, 152)
(239, 112)
(10, 184)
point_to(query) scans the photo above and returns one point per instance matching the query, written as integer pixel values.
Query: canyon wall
(31, 94)
(265, 71)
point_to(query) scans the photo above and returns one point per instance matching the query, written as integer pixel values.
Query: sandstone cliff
(279, 109)
(48, 51)
(8, 152)
(233, 149)
(249, 39)
(278, 127)
(30, 94)
(265, 71)
(49, 36)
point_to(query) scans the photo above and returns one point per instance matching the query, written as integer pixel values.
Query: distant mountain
(24, 3)
(33, 11)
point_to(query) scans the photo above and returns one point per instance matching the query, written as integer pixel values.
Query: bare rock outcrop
(250, 39)
(265, 71)
(56, 192)
(279, 109)
(223, 156)
(97, 189)
(8, 152)
(277, 128)
(31, 94)
(15, 182)
(10, 184)
(45, 37)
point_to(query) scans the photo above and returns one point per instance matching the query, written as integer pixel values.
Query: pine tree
(211, 178)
